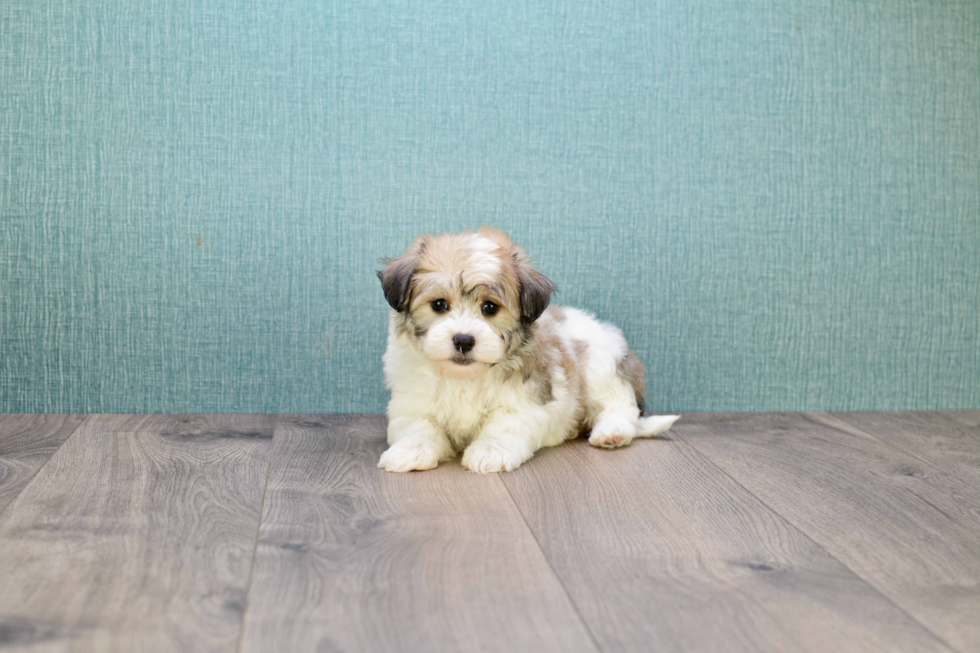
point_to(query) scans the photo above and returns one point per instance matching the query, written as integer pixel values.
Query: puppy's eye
(440, 306)
(489, 308)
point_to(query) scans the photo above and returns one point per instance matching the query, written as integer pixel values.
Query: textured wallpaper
(778, 202)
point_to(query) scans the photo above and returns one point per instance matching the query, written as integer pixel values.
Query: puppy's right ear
(396, 278)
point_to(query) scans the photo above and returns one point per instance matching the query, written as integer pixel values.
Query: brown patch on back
(548, 355)
(631, 369)
(537, 368)
(557, 313)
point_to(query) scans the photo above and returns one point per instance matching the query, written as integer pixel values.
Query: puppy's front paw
(489, 456)
(408, 455)
(612, 431)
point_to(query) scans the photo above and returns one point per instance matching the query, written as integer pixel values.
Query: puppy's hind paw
(612, 431)
(487, 457)
(409, 455)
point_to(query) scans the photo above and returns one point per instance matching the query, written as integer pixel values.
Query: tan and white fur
(478, 362)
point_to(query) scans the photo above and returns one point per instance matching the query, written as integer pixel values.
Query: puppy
(478, 362)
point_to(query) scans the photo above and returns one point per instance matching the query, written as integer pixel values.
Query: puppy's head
(466, 301)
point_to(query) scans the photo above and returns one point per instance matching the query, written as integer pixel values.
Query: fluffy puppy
(478, 362)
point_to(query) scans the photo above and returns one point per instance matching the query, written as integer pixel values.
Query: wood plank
(908, 529)
(967, 417)
(137, 536)
(26, 443)
(933, 437)
(351, 558)
(661, 551)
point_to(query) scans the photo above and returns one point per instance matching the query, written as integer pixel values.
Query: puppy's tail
(652, 425)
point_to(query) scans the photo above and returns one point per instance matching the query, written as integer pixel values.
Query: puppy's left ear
(535, 289)
(396, 278)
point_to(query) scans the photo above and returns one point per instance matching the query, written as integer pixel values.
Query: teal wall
(779, 202)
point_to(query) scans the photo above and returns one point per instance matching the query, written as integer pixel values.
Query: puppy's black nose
(463, 342)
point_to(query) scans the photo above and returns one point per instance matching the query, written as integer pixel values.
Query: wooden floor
(736, 532)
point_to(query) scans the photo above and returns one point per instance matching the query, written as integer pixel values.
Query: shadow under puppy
(478, 362)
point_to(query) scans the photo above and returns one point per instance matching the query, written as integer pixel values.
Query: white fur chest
(459, 406)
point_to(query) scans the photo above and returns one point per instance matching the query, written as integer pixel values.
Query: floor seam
(258, 531)
(45, 463)
(952, 476)
(554, 572)
(802, 532)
